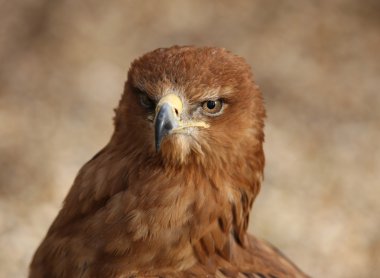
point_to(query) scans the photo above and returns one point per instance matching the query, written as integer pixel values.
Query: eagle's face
(192, 104)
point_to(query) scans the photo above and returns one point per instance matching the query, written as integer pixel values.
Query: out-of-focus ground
(62, 68)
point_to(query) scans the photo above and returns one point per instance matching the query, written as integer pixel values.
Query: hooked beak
(167, 117)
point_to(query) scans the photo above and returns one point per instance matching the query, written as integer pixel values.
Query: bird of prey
(170, 194)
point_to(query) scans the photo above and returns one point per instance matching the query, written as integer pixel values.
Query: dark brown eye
(212, 106)
(146, 101)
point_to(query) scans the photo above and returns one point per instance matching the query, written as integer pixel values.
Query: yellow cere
(175, 102)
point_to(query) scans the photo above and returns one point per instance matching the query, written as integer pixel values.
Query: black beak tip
(158, 145)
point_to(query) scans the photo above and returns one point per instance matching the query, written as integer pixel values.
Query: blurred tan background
(62, 68)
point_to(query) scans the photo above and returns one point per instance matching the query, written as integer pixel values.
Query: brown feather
(179, 212)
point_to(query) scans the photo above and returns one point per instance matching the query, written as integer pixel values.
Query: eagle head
(186, 104)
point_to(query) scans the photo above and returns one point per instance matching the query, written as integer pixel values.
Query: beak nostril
(176, 111)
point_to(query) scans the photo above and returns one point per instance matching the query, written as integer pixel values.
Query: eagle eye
(146, 101)
(212, 107)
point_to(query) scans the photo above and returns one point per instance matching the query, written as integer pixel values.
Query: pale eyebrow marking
(216, 93)
(211, 94)
(227, 91)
